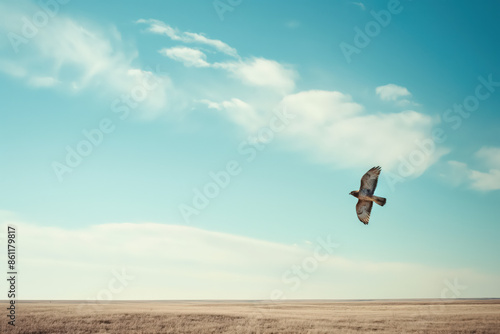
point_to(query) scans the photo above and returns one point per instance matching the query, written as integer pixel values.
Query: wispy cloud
(359, 4)
(188, 56)
(239, 112)
(490, 180)
(159, 27)
(251, 71)
(485, 181)
(337, 130)
(460, 173)
(259, 72)
(76, 56)
(262, 72)
(168, 261)
(391, 92)
(490, 156)
(331, 128)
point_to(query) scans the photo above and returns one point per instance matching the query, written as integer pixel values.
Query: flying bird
(365, 194)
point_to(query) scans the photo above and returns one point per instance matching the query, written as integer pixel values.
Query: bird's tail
(379, 200)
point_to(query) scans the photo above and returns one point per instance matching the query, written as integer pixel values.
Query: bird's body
(365, 195)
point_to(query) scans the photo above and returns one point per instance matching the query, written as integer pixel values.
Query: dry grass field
(457, 316)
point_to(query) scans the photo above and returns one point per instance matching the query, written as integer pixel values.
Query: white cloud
(391, 92)
(459, 172)
(490, 156)
(182, 262)
(330, 126)
(239, 112)
(159, 27)
(255, 71)
(485, 181)
(75, 55)
(263, 73)
(317, 107)
(218, 45)
(189, 57)
(333, 129)
(336, 130)
(258, 72)
(211, 104)
(455, 172)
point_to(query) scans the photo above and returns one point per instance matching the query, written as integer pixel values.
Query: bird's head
(354, 193)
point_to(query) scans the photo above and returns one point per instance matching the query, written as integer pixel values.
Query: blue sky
(172, 92)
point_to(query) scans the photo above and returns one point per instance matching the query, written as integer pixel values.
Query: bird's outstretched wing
(363, 209)
(369, 180)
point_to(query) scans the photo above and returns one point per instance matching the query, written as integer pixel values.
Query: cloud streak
(180, 262)
(391, 92)
(159, 27)
(73, 56)
(460, 172)
(252, 71)
(188, 56)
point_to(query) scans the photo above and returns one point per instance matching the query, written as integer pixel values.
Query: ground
(412, 316)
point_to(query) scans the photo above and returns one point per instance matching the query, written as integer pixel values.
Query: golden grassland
(418, 316)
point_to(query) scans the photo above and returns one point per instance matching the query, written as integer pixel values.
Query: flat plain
(382, 316)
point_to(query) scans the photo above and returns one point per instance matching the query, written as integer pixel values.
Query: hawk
(365, 194)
